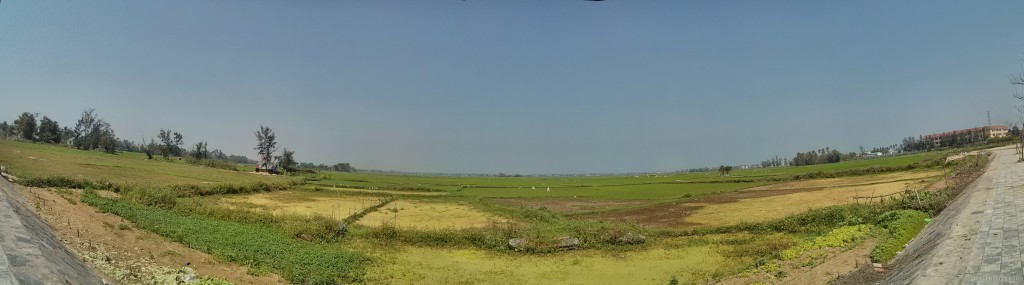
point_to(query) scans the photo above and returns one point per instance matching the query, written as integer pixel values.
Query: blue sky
(517, 86)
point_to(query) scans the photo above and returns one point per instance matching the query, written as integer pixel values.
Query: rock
(632, 238)
(342, 229)
(187, 275)
(516, 243)
(876, 265)
(879, 269)
(568, 242)
(3, 169)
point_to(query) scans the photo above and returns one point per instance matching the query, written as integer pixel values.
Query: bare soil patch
(115, 247)
(674, 214)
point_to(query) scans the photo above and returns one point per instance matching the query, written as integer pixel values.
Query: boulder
(631, 238)
(568, 242)
(187, 275)
(516, 243)
(342, 229)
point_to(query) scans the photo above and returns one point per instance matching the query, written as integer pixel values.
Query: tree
(724, 170)
(288, 160)
(265, 146)
(199, 151)
(67, 135)
(5, 129)
(176, 147)
(170, 143)
(1017, 81)
(25, 126)
(166, 142)
(49, 131)
(218, 155)
(91, 132)
(149, 148)
(343, 167)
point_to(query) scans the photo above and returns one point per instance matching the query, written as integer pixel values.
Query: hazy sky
(517, 86)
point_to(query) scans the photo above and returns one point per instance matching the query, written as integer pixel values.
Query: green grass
(646, 186)
(631, 192)
(248, 244)
(900, 227)
(29, 160)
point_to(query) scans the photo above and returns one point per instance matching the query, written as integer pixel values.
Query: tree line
(93, 133)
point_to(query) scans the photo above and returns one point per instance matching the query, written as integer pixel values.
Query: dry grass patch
(332, 205)
(424, 215)
(416, 265)
(772, 207)
(853, 180)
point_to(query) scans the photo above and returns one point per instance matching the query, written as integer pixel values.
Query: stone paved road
(998, 250)
(977, 238)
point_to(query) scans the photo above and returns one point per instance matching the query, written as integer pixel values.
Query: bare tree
(1017, 81)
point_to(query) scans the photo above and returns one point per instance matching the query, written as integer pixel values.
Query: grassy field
(448, 229)
(28, 160)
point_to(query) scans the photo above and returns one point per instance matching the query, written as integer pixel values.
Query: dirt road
(29, 252)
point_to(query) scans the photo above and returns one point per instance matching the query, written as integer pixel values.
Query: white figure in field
(549, 189)
(533, 187)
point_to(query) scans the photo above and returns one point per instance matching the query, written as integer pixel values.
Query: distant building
(966, 136)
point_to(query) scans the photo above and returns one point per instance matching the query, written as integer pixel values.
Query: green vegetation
(252, 245)
(178, 199)
(30, 161)
(840, 237)
(900, 227)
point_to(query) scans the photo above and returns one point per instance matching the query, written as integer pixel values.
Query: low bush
(899, 228)
(212, 163)
(57, 182)
(837, 238)
(152, 197)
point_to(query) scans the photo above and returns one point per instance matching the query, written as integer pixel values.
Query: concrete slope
(29, 252)
(976, 240)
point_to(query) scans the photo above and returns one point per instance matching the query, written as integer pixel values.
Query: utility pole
(989, 115)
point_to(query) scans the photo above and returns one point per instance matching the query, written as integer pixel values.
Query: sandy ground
(115, 247)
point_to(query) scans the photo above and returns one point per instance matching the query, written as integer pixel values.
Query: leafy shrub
(900, 227)
(57, 182)
(152, 197)
(841, 237)
(315, 228)
(212, 163)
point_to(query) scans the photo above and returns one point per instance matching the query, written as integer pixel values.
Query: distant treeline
(93, 133)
